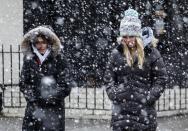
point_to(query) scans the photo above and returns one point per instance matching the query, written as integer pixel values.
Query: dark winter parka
(134, 91)
(44, 86)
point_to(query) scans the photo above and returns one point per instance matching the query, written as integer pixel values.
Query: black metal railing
(7, 68)
(89, 96)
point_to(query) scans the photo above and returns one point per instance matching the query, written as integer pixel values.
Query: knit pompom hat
(130, 24)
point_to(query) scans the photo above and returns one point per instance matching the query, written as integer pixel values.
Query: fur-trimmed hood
(31, 36)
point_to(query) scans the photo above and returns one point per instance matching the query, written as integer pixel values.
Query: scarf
(41, 57)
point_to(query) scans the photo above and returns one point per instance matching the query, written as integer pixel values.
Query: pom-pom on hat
(130, 24)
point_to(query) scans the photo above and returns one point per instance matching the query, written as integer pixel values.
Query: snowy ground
(176, 123)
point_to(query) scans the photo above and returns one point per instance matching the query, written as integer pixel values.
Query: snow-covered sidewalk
(175, 123)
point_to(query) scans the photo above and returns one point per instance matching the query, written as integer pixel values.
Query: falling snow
(88, 30)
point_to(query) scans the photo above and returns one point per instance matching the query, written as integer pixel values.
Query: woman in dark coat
(44, 82)
(135, 78)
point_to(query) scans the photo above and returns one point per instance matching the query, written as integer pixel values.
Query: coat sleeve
(159, 79)
(116, 92)
(109, 80)
(64, 78)
(25, 84)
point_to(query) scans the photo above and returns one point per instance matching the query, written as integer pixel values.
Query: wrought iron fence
(86, 97)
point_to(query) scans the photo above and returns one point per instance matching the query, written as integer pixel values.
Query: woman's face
(41, 45)
(129, 41)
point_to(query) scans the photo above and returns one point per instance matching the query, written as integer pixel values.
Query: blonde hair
(129, 54)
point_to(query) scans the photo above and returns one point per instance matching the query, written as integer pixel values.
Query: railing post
(1, 102)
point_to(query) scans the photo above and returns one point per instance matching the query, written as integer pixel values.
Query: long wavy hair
(129, 54)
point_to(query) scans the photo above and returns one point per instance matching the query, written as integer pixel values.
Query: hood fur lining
(32, 35)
